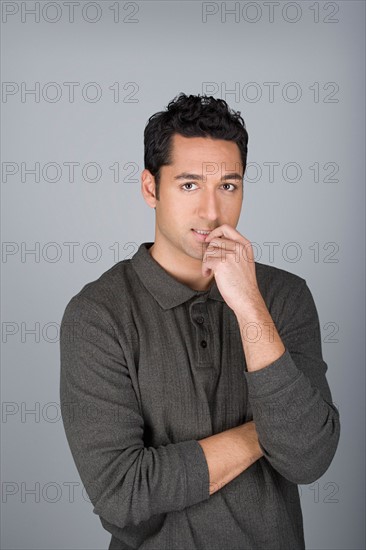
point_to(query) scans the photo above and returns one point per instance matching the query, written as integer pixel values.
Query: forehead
(196, 150)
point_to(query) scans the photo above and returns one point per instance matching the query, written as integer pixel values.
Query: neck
(182, 271)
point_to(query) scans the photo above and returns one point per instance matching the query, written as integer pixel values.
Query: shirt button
(200, 320)
(204, 343)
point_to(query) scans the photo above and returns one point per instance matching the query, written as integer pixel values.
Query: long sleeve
(127, 482)
(298, 426)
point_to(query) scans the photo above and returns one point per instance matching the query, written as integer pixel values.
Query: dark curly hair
(191, 116)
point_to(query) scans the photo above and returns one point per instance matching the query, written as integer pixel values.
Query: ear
(148, 187)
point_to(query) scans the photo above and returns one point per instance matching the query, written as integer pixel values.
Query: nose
(209, 205)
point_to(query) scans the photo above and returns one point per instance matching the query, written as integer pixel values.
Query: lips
(200, 236)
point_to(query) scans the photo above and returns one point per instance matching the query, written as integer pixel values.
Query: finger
(221, 247)
(215, 255)
(225, 244)
(227, 231)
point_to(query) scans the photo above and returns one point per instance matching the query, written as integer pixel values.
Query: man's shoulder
(274, 279)
(113, 288)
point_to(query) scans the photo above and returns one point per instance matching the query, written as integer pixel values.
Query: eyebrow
(198, 177)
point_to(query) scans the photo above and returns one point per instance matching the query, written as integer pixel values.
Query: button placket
(199, 317)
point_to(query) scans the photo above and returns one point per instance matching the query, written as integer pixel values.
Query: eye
(235, 186)
(188, 183)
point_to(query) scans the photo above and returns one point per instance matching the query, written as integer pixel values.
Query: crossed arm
(229, 453)
(296, 427)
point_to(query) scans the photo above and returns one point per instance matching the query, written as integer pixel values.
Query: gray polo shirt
(149, 366)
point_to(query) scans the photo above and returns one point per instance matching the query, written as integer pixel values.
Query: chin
(196, 254)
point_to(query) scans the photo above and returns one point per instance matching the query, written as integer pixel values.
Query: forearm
(261, 342)
(229, 453)
(297, 424)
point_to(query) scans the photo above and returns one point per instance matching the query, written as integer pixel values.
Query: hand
(230, 256)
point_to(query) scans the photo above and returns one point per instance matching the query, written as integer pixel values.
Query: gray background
(172, 47)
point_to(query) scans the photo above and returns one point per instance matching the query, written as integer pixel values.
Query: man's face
(201, 189)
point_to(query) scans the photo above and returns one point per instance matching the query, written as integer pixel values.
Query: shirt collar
(166, 290)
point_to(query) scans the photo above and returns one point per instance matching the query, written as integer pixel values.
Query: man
(193, 389)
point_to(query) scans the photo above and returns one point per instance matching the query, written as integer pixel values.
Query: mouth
(206, 231)
(201, 234)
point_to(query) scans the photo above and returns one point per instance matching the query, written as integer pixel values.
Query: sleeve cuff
(275, 377)
(196, 471)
